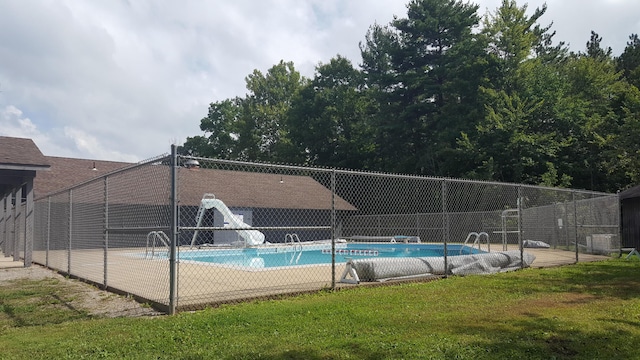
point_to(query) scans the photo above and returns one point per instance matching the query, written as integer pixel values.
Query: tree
(625, 144)
(328, 120)
(380, 75)
(252, 128)
(414, 69)
(629, 61)
(594, 49)
(513, 37)
(434, 96)
(517, 141)
(594, 110)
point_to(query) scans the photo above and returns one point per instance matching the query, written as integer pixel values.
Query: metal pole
(173, 271)
(445, 226)
(11, 228)
(520, 200)
(333, 229)
(28, 224)
(3, 223)
(106, 232)
(618, 221)
(575, 221)
(70, 232)
(3, 226)
(48, 230)
(17, 217)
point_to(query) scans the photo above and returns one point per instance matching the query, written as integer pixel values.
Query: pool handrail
(294, 238)
(156, 235)
(477, 240)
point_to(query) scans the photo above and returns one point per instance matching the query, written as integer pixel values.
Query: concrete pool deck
(6, 262)
(200, 284)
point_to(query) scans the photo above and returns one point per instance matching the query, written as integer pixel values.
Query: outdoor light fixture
(192, 164)
(94, 167)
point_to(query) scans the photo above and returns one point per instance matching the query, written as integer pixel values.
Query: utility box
(602, 243)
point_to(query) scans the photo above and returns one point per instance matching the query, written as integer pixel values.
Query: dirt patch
(535, 307)
(87, 297)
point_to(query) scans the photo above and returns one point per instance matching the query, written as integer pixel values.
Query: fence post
(575, 222)
(106, 231)
(445, 226)
(2, 223)
(48, 231)
(173, 280)
(520, 245)
(9, 228)
(70, 232)
(618, 221)
(17, 217)
(333, 228)
(28, 224)
(3, 226)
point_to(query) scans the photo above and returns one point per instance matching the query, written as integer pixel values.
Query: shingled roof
(257, 190)
(20, 154)
(633, 192)
(66, 172)
(19, 160)
(235, 188)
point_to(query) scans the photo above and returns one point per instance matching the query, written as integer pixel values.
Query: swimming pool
(300, 255)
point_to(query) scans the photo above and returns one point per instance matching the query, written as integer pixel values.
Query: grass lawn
(584, 311)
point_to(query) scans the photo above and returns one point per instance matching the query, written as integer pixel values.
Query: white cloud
(120, 79)
(93, 148)
(70, 142)
(13, 123)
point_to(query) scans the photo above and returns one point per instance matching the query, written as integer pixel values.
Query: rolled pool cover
(376, 269)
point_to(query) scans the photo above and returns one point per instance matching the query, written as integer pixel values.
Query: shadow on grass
(537, 334)
(355, 351)
(613, 278)
(545, 338)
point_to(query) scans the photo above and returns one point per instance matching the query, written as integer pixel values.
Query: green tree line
(444, 91)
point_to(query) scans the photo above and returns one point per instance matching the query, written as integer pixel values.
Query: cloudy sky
(123, 79)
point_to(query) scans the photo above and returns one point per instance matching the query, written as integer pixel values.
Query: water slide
(251, 237)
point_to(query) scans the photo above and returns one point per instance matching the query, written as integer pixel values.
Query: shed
(630, 217)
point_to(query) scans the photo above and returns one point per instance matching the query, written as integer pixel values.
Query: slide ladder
(153, 238)
(200, 216)
(477, 240)
(506, 214)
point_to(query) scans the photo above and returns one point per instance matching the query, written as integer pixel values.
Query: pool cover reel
(380, 269)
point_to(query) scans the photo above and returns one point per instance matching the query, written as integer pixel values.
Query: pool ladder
(297, 247)
(477, 237)
(154, 237)
(295, 241)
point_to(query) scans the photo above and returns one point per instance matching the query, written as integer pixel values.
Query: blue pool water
(285, 256)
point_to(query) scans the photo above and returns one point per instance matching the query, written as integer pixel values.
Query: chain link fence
(185, 232)
(97, 231)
